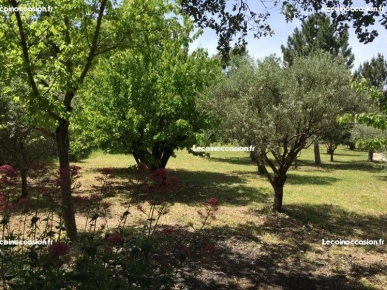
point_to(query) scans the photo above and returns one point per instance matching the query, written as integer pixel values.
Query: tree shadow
(262, 265)
(339, 165)
(298, 179)
(195, 186)
(328, 221)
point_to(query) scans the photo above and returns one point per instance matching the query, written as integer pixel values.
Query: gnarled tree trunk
(278, 186)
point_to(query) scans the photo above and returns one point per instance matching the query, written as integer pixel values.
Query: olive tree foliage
(54, 51)
(278, 109)
(142, 101)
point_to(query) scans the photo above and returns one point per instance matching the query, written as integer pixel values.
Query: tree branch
(94, 44)
(26, 56)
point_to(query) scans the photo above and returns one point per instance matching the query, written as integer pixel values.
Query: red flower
(159, 175)
(168, 231)
(24, 202)
(106, 205)
(212, 202)
(210, 249)
(58, 249)
(8, 171)
(38, 169)
(7, 208)
(114, 238)
(186, 252)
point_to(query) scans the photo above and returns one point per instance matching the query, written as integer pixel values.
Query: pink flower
(24, 202)
(8, 171)
(58, 249)
(114, 238)
(186, 252)
(168, 231)
(159, 175)
(210, 249)
(7, 208)
(212, 202)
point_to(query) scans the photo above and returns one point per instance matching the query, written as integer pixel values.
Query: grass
(344, 199)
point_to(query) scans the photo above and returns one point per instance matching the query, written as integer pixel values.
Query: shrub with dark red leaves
(58, 249)
(8, 171)
(114, 239)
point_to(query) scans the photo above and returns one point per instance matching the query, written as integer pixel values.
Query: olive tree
(279, 109)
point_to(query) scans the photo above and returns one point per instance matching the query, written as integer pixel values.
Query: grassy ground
(345, 199)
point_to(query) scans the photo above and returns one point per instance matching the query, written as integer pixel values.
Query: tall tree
(278, 109)
(54, 51)
(318, 33)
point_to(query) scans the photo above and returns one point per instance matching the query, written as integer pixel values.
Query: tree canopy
(278, 109)
(143, 99)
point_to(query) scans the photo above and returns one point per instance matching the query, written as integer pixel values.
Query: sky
(259, 48)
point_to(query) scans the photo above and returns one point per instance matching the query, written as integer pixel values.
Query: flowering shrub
(58, 249)
(120, 257)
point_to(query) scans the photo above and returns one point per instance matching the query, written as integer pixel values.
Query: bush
(106, 258)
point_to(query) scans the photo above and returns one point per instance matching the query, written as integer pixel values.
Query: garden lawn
(345, 199)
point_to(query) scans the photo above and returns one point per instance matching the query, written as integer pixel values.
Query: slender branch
(24, 45)
(94, 44)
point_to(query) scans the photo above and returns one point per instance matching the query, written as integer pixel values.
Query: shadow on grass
(310, 179)
(340, 165)
(295, 259)
(335, 223)
(196, 186)
(244, 261)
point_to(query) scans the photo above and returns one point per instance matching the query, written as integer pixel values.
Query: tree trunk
(68, 212)
(331, 155)
(261, 166)
(161, 154)
(295, 163)
(24, 185)
(317, 158)
(278, 186)
(371, 155)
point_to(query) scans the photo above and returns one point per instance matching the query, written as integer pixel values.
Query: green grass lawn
(344, 199)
